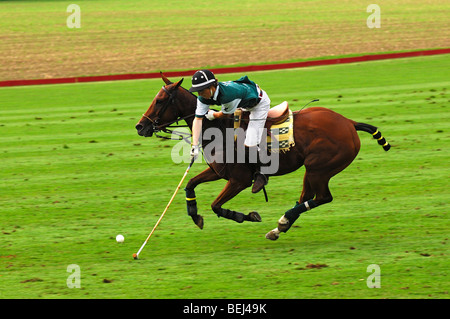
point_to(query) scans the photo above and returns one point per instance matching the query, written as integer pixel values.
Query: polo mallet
(136, 255)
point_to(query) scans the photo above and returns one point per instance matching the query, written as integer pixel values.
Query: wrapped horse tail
(375, 133)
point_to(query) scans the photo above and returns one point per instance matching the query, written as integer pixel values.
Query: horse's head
(162, 111)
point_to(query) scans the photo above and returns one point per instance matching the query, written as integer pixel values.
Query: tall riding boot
(260, 180)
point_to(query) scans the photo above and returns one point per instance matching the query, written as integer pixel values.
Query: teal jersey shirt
(230, 95)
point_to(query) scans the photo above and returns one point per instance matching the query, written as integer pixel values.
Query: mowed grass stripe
(413, 89)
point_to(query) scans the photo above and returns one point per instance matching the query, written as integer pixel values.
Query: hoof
(198, 220)
(283, 224)
(273, 234)
(254, 217)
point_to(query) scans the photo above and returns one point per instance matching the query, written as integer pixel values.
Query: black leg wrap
(191, 202)
(230, 214)
(294, 213)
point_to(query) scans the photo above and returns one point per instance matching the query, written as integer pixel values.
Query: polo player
(241, 93)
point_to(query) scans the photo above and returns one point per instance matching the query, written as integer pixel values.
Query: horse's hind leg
(231, 189)
(313, 184)
(208, 175)
(307, 191)
(291, 215)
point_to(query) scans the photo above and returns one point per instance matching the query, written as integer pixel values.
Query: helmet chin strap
(211, 91)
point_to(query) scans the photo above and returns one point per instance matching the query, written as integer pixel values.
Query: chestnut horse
(325, 143)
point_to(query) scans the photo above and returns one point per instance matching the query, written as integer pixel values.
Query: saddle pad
(283, 133)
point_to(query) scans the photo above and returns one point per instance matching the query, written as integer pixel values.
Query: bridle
(156, 127)
(155, 123)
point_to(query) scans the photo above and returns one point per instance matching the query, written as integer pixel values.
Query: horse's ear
(166, 80)
(178, 84)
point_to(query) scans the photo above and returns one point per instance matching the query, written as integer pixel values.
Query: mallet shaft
(165, 210)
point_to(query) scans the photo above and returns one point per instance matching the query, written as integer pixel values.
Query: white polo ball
(120, 238)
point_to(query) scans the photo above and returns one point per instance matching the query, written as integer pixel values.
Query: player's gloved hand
(194, 151)
(210, 115)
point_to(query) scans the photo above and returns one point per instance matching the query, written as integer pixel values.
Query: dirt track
(98, 49)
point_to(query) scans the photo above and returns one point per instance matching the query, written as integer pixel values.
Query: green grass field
(75, 174)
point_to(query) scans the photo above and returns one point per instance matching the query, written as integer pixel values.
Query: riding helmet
(201, 80)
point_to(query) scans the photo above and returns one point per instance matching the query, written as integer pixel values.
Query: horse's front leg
(208, 175)
(231, 189)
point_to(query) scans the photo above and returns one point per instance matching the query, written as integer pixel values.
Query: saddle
(277, 115)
